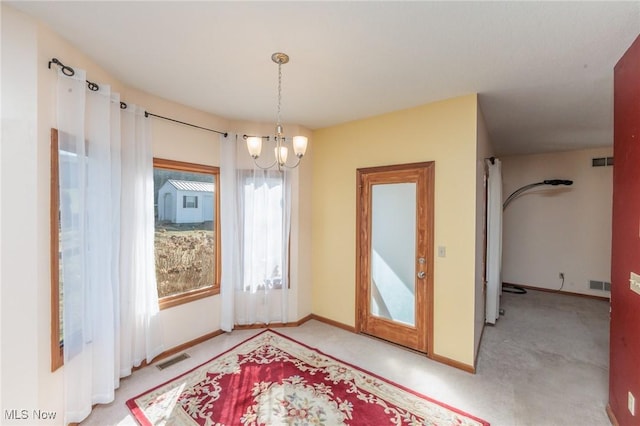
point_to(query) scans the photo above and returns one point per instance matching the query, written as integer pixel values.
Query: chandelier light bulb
(254, 145)
(281, 154)
(300, 145)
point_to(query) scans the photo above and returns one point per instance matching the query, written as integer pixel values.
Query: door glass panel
(393, 251)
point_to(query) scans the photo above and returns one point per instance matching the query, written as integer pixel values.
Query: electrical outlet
(631, 404)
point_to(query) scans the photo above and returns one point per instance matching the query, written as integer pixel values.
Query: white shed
(183, 201)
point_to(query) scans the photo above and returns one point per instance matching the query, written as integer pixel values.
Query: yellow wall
(444, 132)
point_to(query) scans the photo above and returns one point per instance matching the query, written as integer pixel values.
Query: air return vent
(175, 360)
(596, 285)
(602, 161)
(599, 285)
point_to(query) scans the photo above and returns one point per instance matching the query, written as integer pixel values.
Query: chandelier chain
(298, 143)
(279, 89)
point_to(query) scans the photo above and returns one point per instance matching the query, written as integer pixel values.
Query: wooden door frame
(362, 295)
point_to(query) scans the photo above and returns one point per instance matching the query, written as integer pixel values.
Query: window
(65, 191)
(264, 242)
(187, 231)
(189, 201)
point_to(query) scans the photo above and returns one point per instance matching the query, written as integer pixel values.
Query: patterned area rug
(272, 380)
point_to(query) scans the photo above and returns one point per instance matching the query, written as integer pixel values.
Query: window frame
(57, 347)
(190, 296)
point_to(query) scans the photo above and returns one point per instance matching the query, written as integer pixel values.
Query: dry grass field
(185, 257)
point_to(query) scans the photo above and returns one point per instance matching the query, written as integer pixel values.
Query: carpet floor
(545, 363)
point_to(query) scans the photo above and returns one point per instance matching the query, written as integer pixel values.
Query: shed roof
(189, 185)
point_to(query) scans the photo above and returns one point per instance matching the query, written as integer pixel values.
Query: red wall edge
(624, 357)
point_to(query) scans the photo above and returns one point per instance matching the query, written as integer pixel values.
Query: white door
(494, 241)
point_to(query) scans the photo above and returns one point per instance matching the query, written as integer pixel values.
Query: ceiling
(544, 70)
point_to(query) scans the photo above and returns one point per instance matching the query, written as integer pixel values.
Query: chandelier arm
(287, 166)
(255, 161)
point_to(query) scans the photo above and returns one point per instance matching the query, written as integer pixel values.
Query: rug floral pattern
(273, 380)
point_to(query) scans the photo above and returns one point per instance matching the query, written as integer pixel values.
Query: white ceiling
(544, 70)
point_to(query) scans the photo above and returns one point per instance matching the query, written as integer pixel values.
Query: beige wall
(558, 229)
(444, 132)
(25, 351)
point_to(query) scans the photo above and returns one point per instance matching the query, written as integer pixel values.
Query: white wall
(558, 229)
(20, 273)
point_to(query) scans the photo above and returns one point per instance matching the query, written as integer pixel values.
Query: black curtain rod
(70, 72)
(147, 114)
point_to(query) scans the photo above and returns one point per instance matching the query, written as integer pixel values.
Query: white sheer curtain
(141, 336)
(255, 278)
(109, 299)
(494, 241)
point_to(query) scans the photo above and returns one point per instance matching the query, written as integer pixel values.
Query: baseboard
(333, 323)
(612, 417)
(549, 290)
(453, 363)
(180, 348)
(273, 324)
(203, 338)
(169, 352)
(438, 358)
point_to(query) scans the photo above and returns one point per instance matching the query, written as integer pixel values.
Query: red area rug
(272, 380)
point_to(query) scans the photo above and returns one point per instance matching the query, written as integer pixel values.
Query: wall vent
(170, 362)
(596, 285)
(602, 161)
(599, 285)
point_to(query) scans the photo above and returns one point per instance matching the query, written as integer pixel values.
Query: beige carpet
(545, 363)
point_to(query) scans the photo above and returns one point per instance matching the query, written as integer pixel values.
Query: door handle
(421, 274)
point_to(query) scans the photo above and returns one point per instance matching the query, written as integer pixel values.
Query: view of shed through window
(186, 230)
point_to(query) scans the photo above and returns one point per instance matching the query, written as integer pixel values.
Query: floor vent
(170, 362)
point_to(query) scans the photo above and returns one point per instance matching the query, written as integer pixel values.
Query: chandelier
(299, 143)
